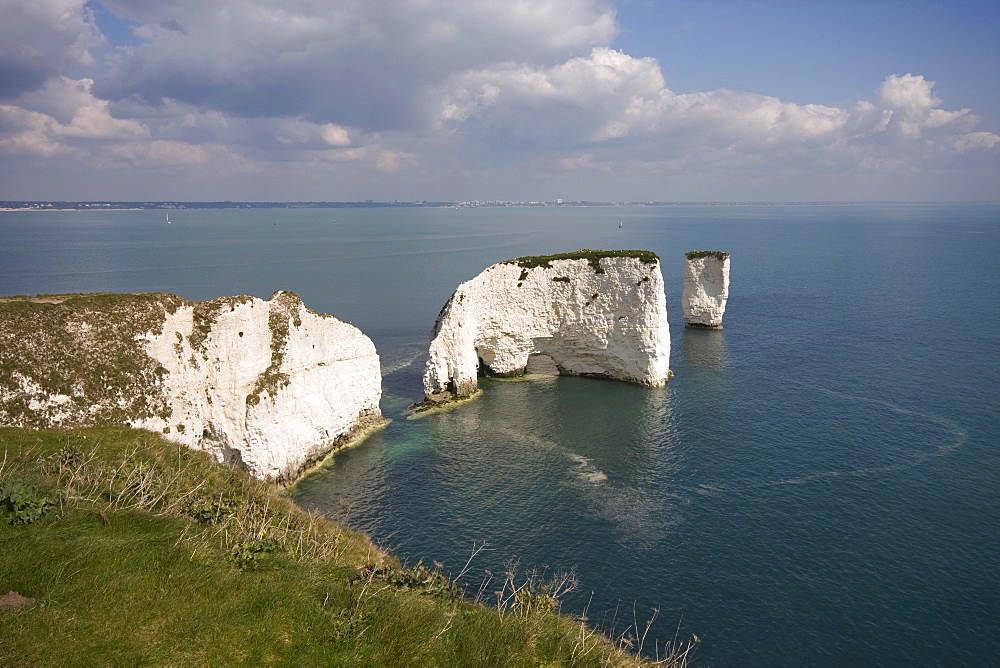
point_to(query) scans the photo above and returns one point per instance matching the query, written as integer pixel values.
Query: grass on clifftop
(124, 548)
(592, 256)
(695, 255)
(82, 347)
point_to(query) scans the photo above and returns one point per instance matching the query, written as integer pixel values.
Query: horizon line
(76, 203)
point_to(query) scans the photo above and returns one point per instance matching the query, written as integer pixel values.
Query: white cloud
(29, 132)
(302, 133)
(603, 96)
(65, 120)
(913, 107)
(432, 92)
(975, 140)
(610, 104)
(334, 135)
(394, 161)
(909, 94)
(90, 117)
(80, 127)
(350, 63)
(749, 122)
(610, 95)
(173, 154)
(40, 39)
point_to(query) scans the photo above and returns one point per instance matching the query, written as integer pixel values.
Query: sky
(523, 100)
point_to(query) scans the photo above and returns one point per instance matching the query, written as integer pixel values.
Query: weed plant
(134, 550)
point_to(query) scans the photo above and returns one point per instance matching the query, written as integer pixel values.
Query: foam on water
(586, 471)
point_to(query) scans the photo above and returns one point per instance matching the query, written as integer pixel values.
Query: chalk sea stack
(592, 313)
(706, 288)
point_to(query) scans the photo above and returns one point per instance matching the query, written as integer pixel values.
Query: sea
(818, 485)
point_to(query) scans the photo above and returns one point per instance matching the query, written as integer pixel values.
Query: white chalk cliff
(591, 312)
(706, 288)
(266, 385)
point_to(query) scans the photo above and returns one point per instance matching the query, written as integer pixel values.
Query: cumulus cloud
(65, 119)
(40, 39)
(912, 107)
(351, 63)
(435, 90)
(75, 125)
(603, 96)
(975, 140)
(75, 119)
(609, 103)
(29, 133)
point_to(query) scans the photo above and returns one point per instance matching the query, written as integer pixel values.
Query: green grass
(84, 346)
(718, 255)
(592, 256)
(154, 554)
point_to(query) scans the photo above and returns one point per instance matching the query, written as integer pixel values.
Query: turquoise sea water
(818, 485)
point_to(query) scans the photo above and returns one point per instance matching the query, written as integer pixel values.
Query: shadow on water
(702, 348)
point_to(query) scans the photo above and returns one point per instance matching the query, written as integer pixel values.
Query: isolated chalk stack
(706, 288)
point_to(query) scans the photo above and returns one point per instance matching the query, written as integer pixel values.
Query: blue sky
(456, 100)
(824, 52)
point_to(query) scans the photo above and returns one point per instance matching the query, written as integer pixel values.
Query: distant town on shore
(102, 205)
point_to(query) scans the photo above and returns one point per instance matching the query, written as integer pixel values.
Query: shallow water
(816, 486)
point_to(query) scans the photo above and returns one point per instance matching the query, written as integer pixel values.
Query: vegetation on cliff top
(124, 548)
(718, 255)
(592, 256)
(83, 348)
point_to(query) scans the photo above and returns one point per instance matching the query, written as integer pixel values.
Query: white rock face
(266, 385)
(706, 289)
(610, 323)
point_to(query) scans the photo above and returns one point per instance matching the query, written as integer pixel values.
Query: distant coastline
(105, 205)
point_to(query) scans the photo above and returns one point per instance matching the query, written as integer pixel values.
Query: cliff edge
(269, 386)
(595, 313)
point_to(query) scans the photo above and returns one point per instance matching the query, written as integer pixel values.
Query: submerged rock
(706, 288)
(592, 313)
(266, 385)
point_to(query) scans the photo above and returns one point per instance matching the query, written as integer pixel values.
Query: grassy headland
(129, 549)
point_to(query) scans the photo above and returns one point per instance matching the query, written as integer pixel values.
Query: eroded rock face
(592, 313)
(267, 385)
(706, 288)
